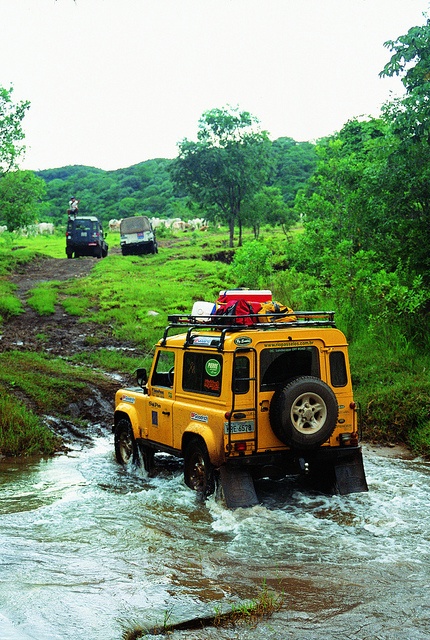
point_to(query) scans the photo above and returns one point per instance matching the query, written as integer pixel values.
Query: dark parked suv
(84, 237)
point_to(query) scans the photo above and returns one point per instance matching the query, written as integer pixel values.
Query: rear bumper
(322, 453)
(138, 247)
(331, 469)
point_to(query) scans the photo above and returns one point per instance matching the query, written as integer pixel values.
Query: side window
(279, 365)
(338, 373)
(162, 375)
(202, 373)
(241, 374)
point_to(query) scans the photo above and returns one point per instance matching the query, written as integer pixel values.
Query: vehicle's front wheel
(198, 469)
(125, 444)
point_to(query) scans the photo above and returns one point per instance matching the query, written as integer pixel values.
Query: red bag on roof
(226, 307)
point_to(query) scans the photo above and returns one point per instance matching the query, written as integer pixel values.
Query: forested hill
(147, 188)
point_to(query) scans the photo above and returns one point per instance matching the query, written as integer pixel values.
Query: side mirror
(141, 377)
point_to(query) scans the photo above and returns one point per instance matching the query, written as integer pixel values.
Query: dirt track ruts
(62, 335)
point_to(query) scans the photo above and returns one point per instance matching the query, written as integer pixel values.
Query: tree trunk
(231, 227)
(239, 244)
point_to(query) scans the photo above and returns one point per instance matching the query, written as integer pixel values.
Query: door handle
(166, 413)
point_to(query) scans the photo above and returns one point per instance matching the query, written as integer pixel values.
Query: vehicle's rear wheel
(198, 469)
(125, 444)
(304, 413)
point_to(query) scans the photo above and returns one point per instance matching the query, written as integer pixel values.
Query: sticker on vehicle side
(199, 417)
(239, 427)
(212, 368)
(242, 341)
(204, 340)
(293, 344)
(158, 392)
(129, 399)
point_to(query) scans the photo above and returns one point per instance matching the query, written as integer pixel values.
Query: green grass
(9, 303)
(131, 297)
(43, 298)
(53, 246)
(21, 431)
(113, 360)
(49, 384)
(392, 383)
(135, 294)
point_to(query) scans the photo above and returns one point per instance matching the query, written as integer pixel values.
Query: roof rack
(234, 324)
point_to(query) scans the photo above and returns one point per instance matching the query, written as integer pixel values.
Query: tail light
(240, 446)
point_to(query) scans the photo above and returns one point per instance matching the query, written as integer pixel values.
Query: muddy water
(88, 550)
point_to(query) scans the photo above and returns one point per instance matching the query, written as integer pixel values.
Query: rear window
(338, 375)
(279, 365)
(82, 225)
(202, 373)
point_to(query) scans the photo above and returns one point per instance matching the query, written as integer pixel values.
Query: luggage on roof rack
(274, 320)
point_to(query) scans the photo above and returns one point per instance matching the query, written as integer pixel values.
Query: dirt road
(62, 335)
(59, 334)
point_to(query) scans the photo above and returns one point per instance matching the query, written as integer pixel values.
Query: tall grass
(21, 431)
(49, 384)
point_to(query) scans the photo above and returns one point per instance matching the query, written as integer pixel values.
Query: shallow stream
(88, 550)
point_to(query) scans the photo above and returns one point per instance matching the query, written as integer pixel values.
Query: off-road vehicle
(84, 237)
(137, 236)
(244, 401)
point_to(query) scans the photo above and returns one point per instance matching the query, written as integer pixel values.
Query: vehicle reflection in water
(88, 550)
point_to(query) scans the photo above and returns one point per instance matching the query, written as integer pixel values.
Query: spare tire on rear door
(303, 414)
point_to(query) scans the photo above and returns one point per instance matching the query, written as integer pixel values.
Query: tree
(11, 133)
(268, 206)
(228, 164)
(294, 162)
(407, 175)
(20, 194)
(411, 61)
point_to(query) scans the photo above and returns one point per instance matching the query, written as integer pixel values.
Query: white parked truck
(137, 236)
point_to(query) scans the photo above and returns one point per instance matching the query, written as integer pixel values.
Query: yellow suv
(245, 401)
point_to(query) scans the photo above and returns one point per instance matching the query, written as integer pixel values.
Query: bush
(251, 265)
(400, 413)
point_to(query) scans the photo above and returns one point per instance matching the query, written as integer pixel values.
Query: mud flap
(238, 487)
(350, 476)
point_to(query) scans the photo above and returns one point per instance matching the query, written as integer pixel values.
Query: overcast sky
(116, 82)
